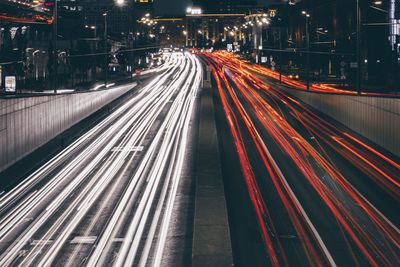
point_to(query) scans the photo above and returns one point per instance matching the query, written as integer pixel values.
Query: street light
(307, 16)
(34, 64)
(358, 45)
(55, 48)
(105, 14)
(119, 3)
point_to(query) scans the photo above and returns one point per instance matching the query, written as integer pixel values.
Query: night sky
(171, 7)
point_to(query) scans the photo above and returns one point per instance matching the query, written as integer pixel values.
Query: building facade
(333, 31)
(225, 6)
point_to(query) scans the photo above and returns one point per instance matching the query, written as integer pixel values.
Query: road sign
(10, 84)
(264, 59)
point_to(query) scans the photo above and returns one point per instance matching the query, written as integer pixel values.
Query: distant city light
(120, 2)
(194, 11)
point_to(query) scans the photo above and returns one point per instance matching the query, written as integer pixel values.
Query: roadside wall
(30, 122)
(376, 118)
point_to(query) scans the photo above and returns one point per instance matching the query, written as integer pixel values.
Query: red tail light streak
(363, 227)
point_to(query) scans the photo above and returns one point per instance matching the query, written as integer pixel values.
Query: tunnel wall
(376, 118)
(27, 123)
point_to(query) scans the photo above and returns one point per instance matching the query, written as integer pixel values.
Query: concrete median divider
(27, 123)
(211, 234)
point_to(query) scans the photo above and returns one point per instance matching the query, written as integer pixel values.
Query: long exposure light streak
(105, 172)
(296, 84)
(359, 222)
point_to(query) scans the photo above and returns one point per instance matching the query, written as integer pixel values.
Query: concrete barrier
(211, 234)
(376, 118)
(27, 123)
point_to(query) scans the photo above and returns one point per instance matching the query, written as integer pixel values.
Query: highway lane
(310, 209)
(108, 198)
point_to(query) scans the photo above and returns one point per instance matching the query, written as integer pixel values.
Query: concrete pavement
(211, 235)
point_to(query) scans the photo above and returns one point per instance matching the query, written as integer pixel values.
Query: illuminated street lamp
(119, 3)
(307, 16)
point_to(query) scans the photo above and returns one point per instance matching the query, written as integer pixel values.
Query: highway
(301, 190)
(108, 198)
(301, 85)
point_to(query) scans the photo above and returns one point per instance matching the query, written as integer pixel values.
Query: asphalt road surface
(109, 198)
(301, 189)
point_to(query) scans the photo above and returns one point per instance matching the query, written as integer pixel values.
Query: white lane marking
(41, 196)
(84, 240)
(127, 149)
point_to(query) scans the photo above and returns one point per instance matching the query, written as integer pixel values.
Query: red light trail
(296, 84)
(363, 227)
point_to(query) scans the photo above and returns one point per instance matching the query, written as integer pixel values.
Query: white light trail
(84, 171)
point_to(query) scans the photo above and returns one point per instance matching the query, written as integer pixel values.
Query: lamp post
(55, 45)
(34, 64)
(307, 16)
(119, 3)
(280, 55)
(94, 28)
(358, 48)
(105, 14)
(185, 32)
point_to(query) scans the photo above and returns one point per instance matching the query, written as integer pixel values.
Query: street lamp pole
(307, 15)
(119, 3)
(187, 31)
(105, 49)
(358, 78)
(308, 52)
(280, 55)
(35, 64)
(55, 45)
